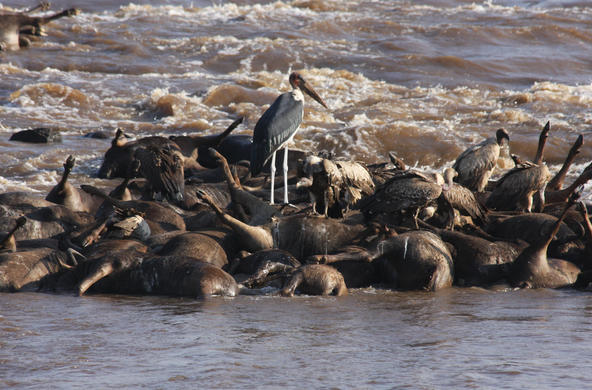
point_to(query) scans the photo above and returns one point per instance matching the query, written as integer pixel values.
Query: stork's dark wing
(275, 127)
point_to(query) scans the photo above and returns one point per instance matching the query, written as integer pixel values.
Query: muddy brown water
(424, 79)
(455, 338)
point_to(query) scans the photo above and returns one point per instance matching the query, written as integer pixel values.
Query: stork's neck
(297, 94)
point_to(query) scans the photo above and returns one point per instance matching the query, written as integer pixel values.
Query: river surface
(453, 339)
(424, 79)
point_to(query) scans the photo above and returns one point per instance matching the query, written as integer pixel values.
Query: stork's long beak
(311, 92)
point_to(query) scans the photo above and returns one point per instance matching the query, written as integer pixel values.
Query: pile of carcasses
(188, 218)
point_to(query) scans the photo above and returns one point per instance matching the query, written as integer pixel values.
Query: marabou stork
(277, 127)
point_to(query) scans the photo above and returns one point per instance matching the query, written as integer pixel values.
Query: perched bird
(381, 172)
(476, 164)
(406, 192)
(277, 127)
(456, 196)
(515, 190)
(336, 185)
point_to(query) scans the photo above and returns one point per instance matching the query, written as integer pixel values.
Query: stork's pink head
(297, 81)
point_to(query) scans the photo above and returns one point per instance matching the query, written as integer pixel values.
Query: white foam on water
(486, 7)
(215, 13)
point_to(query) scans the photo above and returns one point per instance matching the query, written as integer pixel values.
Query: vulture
(406, 192)
(456, 196)
(476, 164)
(336, 185)
(515, 190)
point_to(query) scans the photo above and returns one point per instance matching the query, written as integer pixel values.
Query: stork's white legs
(272, 172)
(286, 175)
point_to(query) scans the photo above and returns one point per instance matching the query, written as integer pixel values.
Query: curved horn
(104, 269)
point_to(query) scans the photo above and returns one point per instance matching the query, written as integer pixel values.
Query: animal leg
(351, 254)
(416, 216)
(450, 217)
(253, 238)
(9, 242)
(587, 224)
(43, 6)
(556, 182)
(295, 280)
(93, 233)
(68, 166)
(286, 175)
(272, 171)
(259, 210)
(313, 202)
(541, 200)
(340, 289)
(67, 12)
(267, 272)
